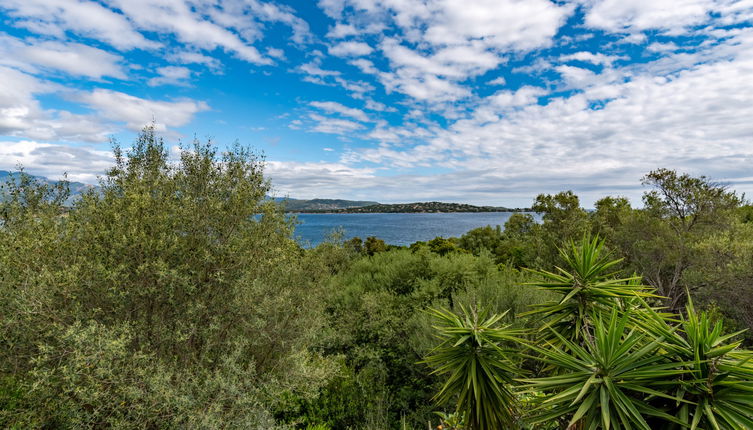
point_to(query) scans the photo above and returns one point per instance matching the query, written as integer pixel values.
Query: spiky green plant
(608, 381)
(475, 355)
(588, 281)
(719, 385)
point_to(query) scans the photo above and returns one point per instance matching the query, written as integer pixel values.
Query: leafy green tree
(660, 241)
(562, 214)
(482, 238)
(442, 246)
(685, 201)
(374, 245)
(563, 220)
(610, 214)
(172, 295)
(356, 244)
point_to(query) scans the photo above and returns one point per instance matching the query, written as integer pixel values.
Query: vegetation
(316, 205)
(174, 296)
(418, 207)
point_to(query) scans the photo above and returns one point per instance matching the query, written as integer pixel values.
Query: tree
(609, 216)
(481, 238)
(680, 212)
(687, 202)
(374, 245)
(562, 214)
(563, 220)
(172, 295)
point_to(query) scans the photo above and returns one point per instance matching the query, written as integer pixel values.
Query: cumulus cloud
(443, 43)
(695, 120)
(22, 115)
(351, 49)
(170, 75)
(334, 107)
(137, 112)
(189, 57)
(231, 25)
(81, 163)
(670, 16)
(334, 125)
(85, 18)
(73, 58)
(598, 59)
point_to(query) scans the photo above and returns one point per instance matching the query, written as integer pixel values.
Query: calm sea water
(395, 229)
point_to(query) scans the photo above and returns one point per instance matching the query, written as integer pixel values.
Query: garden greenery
(174, 296)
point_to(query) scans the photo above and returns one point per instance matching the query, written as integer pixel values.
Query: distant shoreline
(386, 213)
(349, 211)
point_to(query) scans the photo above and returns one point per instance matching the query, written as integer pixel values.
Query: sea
(394, 228)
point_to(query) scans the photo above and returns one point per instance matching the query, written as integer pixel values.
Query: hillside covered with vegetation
(418, 207)
(174, 296)
(321, 205)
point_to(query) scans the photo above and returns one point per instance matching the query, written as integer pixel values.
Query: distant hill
(420, 207)
(76, 188)
(321, 205)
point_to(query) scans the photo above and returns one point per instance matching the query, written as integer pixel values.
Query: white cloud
(507, 24)
(22, 115)
(187, 57)
(365, 66)
(316, 75)
(232, 25)
(576, 77)
(137, 112)
(598, 59)
(334, 125)
(340, 31)
(179, 18)
(351, 49)
(497, 81)
(696, 120)
(82, 163)
(662, 47)
(671, 16)
(443, 43)
(377, 106)
(522, 97)
(170, 75)
(72, 58)
(302, 179)
(85, 18)
(313, 68)
(334, 107)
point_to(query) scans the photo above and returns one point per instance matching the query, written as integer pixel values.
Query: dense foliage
(174, 296)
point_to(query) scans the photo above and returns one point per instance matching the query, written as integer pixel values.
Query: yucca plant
(607, 382)
(588, 281)
(476, 356)
(718, 388)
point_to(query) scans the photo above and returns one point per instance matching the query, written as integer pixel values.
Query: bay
(394, 228)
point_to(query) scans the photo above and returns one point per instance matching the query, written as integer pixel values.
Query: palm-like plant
(473, 353)
(608, 381)
(586, 283)
(719, 385)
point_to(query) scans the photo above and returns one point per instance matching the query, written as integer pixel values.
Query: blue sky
(478, 101)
